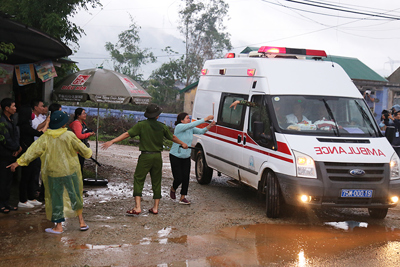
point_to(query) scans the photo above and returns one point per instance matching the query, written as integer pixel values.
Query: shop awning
(31, 45)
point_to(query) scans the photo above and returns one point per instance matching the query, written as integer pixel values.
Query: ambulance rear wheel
(273, 196)
(203, 172)
(377, 213)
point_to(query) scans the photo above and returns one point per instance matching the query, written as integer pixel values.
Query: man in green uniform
(151, 133)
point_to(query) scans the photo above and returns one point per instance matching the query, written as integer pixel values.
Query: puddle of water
(119, 191)
(102, 218)
(347, 225)
(265, 244)
(111, 191)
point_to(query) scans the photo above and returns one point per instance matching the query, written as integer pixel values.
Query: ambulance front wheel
(273, 196)
(377, 213)
(203, 172)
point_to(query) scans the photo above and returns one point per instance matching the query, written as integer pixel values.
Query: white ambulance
(302, 133)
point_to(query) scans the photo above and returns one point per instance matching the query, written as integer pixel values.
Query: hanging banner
(6, 73)
(25, 74)
(45, 70)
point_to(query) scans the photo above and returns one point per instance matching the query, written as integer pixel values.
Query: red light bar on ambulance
(204, 71)
(291, 51)
(229, 55)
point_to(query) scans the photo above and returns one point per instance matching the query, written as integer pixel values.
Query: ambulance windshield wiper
(366, 119)
(336, 128)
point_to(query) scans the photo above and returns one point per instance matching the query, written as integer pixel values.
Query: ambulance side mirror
(389, 133)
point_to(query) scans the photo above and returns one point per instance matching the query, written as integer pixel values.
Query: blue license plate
(356, 193)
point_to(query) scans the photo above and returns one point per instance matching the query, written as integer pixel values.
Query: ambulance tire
(378, 213)
(273, 196)
(203, 172)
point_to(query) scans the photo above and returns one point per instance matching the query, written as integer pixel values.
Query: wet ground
(224, 226)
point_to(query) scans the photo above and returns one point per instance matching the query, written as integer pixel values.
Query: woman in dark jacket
(29, 183)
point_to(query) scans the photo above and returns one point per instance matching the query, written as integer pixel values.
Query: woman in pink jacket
(79, 127)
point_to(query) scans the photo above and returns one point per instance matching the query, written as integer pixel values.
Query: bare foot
(58, 228)
(81, 221)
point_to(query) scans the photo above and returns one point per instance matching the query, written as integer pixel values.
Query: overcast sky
(373, 40)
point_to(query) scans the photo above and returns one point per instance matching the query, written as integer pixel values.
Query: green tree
(5, 49)
(126, 54)
(205, 37)
(49, 16)
(161, 84)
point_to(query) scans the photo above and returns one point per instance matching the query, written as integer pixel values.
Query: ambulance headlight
(394, 167)
(305, 165)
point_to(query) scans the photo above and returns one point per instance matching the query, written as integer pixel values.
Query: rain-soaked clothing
(151, 133)
(61, 172)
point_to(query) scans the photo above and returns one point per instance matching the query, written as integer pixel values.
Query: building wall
(189, 100)
(5, 91)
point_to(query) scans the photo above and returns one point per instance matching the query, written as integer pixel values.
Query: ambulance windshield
(332, 116)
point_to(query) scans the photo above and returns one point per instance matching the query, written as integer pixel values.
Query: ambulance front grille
(340, 172)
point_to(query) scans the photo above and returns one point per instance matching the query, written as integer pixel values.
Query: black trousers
(6, 177)
(181, 172)
(29, 183)
(82, 162)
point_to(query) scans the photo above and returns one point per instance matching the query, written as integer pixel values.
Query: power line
(341, 9)
(327, 3)
(313, 12)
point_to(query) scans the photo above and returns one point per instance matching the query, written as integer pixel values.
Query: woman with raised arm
(179, 157)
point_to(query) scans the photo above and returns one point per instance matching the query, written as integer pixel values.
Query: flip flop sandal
(51, 231)
(132, 212)
(84, 228)
(152, 211)
(12, 208)
(4, 210)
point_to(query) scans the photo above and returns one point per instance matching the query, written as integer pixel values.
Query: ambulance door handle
(239, 139)
(244, 140)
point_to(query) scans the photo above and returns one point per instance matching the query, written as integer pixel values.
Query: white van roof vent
(255, 54)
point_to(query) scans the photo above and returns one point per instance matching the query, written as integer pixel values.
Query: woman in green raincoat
(61, 173)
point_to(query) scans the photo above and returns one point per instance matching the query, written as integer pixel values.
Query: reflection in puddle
(266, 244)
(302, 259)
(347, 225)
(89, 246)
(111, 191)
(145, 241)
(296, 245)
(118, 191)
(164, 232)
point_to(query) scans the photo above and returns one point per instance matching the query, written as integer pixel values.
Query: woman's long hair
(180, 117)
(78, 112)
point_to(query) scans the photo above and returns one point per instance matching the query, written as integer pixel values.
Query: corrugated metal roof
(356, 69)
(190, 86)
(352, 66)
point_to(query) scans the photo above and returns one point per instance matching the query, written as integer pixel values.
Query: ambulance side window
(229, 117)
(259, 118)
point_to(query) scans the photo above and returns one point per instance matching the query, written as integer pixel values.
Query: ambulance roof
(286, 76)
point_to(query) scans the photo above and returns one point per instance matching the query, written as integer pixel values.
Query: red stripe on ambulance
(226, 132)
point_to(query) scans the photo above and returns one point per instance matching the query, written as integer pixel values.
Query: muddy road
(224, 226)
